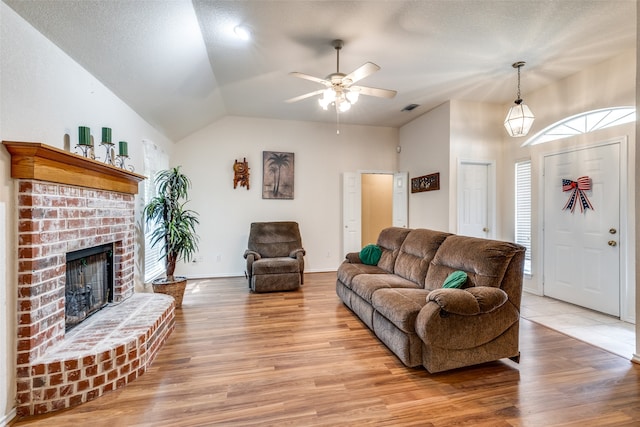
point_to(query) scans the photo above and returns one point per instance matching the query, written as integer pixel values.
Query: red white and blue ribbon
(577, 188)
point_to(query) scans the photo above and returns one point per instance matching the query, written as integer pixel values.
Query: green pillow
(455, 280)
(370, 254)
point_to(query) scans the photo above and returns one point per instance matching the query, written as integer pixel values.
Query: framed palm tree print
(277, 175)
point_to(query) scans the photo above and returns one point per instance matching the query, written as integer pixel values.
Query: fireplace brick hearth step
(105, 352)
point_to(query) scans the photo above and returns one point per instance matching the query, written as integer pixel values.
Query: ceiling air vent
(410, 107)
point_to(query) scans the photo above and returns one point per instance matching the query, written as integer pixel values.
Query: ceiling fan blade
(373, 91)
(306, 95)
(308, 77)
(361, 72)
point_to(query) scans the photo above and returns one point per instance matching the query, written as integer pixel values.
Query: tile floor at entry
(601, 330)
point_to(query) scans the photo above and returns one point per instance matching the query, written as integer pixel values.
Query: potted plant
(174, 229)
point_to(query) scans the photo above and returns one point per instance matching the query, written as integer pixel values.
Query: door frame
(491, 193)
(627, 294)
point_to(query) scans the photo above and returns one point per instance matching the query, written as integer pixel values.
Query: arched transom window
(584, 123)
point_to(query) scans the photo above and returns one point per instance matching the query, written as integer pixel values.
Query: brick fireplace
(67, 203)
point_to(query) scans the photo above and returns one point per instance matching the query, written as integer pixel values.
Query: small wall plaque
(425, 183)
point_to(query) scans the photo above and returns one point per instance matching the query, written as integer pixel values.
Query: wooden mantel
(34, 160)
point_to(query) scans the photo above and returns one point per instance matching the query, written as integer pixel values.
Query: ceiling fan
(339, 87)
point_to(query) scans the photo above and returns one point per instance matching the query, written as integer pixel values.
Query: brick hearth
(56, 370)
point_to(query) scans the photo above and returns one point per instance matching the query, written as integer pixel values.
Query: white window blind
(523, 210)
(155, 160)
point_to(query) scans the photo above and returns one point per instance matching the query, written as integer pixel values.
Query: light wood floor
(303, 359)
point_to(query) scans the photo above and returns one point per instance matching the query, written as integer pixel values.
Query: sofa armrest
(353, 258)
(254, 255)
(465, 318)
(469, 301)
(250, 256)
(297, 253)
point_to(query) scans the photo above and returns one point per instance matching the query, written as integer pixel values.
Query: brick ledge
(110, 349)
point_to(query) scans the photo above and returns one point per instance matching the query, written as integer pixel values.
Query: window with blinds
(155, 160)
(523, 210)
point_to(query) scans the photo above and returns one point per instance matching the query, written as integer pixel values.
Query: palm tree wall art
(277, 175)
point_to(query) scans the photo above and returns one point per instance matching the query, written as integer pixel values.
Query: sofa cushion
(276, 266)
(416, 253)
(390, 240)
(274, 239)
(485, 261)
(400, 306)
(347, 271)
(364, 285)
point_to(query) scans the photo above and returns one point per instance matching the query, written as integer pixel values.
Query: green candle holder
(109, 157)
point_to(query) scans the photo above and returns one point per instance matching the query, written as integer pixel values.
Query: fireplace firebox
(89, 283)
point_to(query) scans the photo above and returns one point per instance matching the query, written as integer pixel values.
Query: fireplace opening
(89, 283)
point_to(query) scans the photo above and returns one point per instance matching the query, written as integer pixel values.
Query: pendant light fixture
(520, 118)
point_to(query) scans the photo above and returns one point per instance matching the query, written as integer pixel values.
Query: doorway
(377, 205)
(358, 202)
(582, 248)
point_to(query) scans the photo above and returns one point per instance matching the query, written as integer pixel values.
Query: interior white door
(581, 248)
(401, 199)
(473, 199)
(351, 212)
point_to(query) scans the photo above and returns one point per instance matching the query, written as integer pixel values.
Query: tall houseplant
(174, 228)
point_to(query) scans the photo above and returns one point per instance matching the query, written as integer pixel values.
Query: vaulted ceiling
(179, 64)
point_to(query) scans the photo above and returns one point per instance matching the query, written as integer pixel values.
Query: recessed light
(242, 32)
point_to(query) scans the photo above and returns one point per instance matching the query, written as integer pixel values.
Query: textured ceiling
(178, 64)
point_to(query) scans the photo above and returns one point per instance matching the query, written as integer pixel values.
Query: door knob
(612, 231)
(485, 229)
(612, 243)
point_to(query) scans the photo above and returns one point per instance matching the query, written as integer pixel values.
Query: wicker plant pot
(175, 288)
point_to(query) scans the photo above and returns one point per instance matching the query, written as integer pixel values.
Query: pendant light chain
(519, 66)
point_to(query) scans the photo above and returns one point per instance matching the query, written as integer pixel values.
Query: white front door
(581, 248)
(473, 200)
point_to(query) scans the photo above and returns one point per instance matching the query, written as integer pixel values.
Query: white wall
(321, 157)
(43, 96)
(425, 144)
(472, 139)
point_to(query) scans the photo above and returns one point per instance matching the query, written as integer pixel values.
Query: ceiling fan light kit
(339, 89)
(519, 118)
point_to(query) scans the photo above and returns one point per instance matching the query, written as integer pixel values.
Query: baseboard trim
(4, 421)
(225, 275)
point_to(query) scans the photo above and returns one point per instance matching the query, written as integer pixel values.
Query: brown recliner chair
(274, 257)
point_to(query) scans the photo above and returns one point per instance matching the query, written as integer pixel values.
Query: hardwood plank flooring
(303, 359)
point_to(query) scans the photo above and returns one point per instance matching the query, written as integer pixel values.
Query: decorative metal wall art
(425, 183)
(241, 173)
